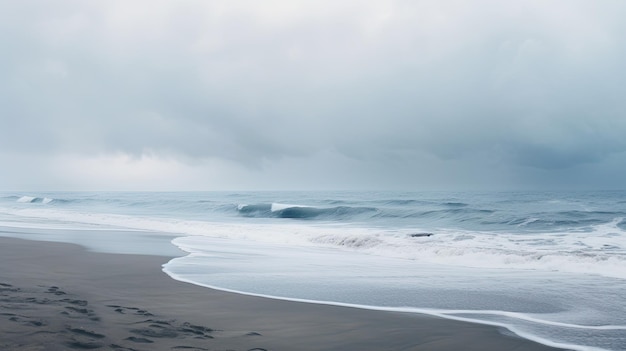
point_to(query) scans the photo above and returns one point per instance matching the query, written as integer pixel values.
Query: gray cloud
(524, 86)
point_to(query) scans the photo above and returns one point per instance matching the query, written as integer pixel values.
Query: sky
(312, 95)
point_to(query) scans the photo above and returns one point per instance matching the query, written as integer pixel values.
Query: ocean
(547, 266)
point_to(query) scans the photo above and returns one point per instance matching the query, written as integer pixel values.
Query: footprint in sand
(84, 332)
(75, 302)
(160, 332)
(4, 287)
(121, 348)
(84, 345)
(139, 340)
(133, 310)
(27, 321)
(77, 339)
(77, 312)
(55, 290)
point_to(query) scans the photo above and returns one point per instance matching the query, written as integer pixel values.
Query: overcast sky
(256, 95)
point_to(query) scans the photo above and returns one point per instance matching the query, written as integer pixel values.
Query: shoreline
(59, 296)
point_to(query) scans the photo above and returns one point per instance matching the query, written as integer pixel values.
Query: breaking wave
(277, 210)
(32, 199)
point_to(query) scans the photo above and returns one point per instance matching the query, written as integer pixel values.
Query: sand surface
(61, 297)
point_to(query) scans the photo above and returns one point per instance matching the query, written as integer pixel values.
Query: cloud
(396, 86)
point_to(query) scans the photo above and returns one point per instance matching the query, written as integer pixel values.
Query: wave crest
(33, 199)
(278, 210)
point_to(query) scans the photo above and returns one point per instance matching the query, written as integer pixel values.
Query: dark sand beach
(61, 297)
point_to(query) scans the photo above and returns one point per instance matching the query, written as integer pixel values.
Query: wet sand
(61, 297)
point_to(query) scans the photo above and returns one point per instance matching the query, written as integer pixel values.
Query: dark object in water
(419, 235)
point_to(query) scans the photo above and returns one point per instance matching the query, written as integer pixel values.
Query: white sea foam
(279, 207)
(269, 261)
(601, 252)
(528, 221)
(33, 199)
(26, 199)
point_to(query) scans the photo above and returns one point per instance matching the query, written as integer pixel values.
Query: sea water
(548, 266)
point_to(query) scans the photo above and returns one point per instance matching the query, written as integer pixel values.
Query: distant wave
(404, 212)
(33, 199)
(458, 214)
(403, 202)
(579, 220)
(28, 199)
(406, 202)
(277, 210)
(445, 214)
(401, 209)
(458, 211)
(559, 223)
(456, 204)
(258, 210)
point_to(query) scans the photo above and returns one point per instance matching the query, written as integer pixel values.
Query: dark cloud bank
(413, 94)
